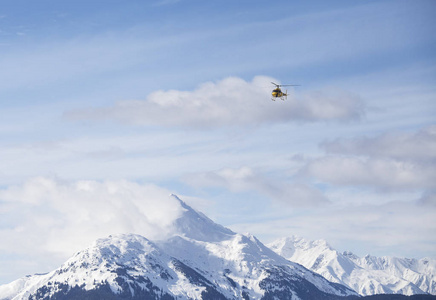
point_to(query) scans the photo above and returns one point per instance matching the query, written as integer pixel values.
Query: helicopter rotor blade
(279, 85)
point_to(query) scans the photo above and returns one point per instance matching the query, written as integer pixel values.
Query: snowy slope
(122, 264)
(368, 275)
(203, 260)
(241, 260)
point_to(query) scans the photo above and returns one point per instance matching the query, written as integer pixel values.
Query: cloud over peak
(228, 102)
(44, 211)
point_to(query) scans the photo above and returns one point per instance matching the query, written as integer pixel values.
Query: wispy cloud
(371, 172)
(245, 179)
(393, 162)
(394, 228)
(415, 146)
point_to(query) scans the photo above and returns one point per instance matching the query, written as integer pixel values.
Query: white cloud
(428, 198)
(415, 146)
(245, 179)
(44, 221)
(231, 101)
(398, 161)
(394, 228)
(51, 216)
(371, 172)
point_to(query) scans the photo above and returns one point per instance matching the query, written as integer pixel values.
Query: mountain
(368, 275)
(203, 260)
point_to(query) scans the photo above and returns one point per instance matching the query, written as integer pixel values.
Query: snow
(197, 226)
(243, 257)
(202, 254)
(368, 275)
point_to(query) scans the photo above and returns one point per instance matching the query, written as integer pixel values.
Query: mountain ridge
(367, 275)
(201, 260)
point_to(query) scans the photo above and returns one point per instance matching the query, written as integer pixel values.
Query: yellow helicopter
(277, 92)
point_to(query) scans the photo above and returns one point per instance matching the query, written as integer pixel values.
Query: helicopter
(277, 92)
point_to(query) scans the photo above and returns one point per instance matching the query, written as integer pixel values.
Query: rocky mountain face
(367, 275)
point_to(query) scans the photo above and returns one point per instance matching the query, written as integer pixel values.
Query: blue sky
(107, 107)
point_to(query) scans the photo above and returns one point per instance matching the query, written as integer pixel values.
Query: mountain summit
(195, 225)
(203, 260)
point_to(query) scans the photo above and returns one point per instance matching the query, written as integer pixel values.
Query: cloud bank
(51, 216)
(395, 161)
(231, 101)
(415, 146)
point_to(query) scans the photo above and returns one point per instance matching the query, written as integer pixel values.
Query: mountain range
(367, 275)
(202, 260)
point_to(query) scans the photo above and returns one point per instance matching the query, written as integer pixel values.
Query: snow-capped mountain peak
(367, 275)
(100, 269)
(203, 261)
(197, 226)
(295, 246)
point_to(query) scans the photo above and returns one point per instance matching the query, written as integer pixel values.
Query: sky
(108, 107)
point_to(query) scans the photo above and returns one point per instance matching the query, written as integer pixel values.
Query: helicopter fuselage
(277, 93)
